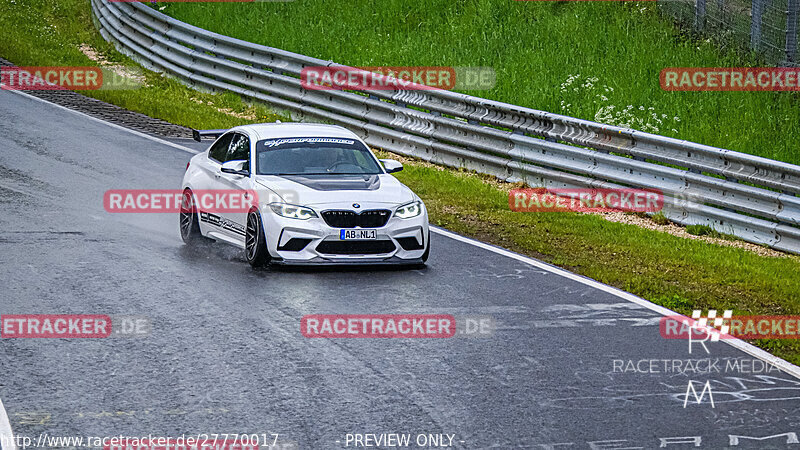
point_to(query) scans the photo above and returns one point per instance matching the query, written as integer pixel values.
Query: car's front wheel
(427, 250)
(190, 226)
(255, 245)
(425, 255)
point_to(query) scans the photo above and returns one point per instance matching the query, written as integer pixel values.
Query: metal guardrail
(750, 197)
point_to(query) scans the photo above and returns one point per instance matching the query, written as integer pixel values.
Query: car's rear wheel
(189, 223)
(255, 245)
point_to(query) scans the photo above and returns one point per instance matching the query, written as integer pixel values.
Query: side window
(240, 148)
(219, 150)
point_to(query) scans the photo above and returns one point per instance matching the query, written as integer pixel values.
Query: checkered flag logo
(718, 328)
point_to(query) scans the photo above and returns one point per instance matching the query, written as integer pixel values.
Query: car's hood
(327, 189)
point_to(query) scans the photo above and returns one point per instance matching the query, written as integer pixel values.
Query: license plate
(357, 235)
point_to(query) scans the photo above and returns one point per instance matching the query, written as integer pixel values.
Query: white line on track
(5, 426)
(6, 435)
(736, 343)
(113, 125)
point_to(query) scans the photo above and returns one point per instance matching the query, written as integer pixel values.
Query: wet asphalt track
(226, 355)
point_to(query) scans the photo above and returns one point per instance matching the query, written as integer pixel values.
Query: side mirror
(236, 167)
(391, 165)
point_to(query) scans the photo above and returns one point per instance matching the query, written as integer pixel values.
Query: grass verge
(678, 273)
(593, 60)
(50, 33)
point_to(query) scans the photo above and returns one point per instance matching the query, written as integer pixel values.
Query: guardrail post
(700, 14)
(755, 24)
(792, 13)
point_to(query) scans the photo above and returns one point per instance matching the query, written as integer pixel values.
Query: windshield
(314, 156)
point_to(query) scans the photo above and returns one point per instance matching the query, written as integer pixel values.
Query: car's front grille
(356, 247)
(373, 218)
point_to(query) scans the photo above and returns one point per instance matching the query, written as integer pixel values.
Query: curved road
(225, 353)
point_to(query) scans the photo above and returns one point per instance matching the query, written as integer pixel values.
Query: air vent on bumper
(356, 247)
(294, 245)
(410, 243)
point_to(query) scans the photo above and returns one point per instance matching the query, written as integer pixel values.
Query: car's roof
(285, 130)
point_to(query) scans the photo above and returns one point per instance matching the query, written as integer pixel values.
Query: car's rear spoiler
(198, 135)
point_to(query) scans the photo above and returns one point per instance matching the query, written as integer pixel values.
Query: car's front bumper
(393, 261)
(388, 248)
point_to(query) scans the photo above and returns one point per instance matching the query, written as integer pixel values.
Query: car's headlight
(409, 210)
(292, 211)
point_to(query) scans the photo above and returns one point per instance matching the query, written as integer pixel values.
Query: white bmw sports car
(321, 197)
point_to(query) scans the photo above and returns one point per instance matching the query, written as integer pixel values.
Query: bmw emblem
(356, 205)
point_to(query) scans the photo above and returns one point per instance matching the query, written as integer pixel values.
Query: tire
(425, 255)
(189, 221)
(255, 245)
(427, 250)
